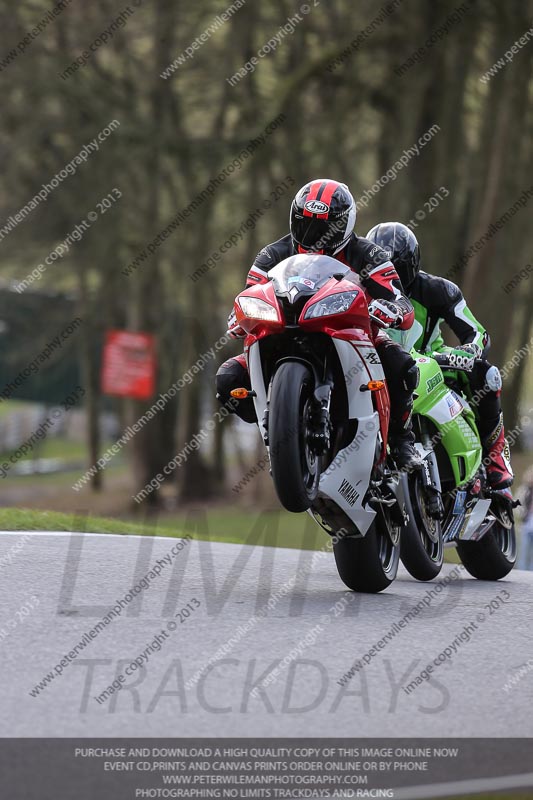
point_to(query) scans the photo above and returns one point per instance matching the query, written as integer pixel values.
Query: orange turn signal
(240, 394)
(375, 386)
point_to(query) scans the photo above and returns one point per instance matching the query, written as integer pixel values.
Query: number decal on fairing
(372, 357)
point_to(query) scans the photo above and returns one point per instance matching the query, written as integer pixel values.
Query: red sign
(128, 366)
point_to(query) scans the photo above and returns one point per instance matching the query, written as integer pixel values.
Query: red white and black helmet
(322, 217)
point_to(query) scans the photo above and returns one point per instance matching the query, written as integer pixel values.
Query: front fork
(431, 478)
(320, 422)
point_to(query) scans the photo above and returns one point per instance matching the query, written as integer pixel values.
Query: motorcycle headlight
(334, 304)
(253, 308)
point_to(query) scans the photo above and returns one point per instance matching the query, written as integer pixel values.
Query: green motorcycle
(449, 500)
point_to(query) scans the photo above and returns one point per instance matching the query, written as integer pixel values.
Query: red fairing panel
(256, 328)
(355, 317)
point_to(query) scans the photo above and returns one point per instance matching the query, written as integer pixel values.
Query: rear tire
(493, 556)
(422, 554)
(295, 469)
(369, 564)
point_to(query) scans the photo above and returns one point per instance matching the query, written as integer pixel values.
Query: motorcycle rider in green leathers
(436, 300)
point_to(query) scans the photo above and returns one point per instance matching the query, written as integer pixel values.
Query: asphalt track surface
(56, 587)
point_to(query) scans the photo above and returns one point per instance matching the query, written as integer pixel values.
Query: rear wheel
(295, 467)
(370, 564)
(493, 556)
(422, 548)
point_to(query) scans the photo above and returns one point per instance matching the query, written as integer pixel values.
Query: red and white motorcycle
(323, 409)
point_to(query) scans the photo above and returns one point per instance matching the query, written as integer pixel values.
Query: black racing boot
(402, 443)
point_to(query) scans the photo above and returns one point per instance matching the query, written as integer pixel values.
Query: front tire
(493, 556)
(295, 468)
(422, 547)
(369, 564)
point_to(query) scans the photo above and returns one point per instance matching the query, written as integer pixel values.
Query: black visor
(318, 234)
(406, 270)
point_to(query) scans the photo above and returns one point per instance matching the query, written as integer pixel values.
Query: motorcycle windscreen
(305, 274)
(407, 339)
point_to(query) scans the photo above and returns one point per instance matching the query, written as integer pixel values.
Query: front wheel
(493, 556)
(369, 564)
(422, 548)
(295, 467)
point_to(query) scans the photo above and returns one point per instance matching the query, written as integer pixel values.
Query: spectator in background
(525, 494)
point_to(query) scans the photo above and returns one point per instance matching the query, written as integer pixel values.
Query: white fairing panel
(357, 362)
(258, 384)
(448, 408)
(346, 479)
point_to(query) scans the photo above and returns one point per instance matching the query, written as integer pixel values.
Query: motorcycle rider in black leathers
(322, 218)
(436, 300)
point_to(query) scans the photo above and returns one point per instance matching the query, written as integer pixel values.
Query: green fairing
(459, 436)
